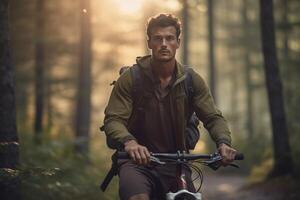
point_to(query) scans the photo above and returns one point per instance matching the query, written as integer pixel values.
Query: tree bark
(211, 50)
(285, 29)
(185, 30)
(282, 154)
(249, 101)
(82, 122)
(39, 70)
(9, 146)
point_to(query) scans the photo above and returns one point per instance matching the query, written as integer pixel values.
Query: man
(161, 127)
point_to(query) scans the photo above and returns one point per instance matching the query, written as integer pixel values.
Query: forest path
(218, 186)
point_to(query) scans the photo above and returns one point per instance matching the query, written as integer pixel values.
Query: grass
(52, 171)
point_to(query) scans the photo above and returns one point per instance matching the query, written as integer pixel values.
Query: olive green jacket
(119, 108)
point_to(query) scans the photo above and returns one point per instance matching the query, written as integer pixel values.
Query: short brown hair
(163, 20)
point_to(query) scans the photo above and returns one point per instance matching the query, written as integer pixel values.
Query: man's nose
(164, 42)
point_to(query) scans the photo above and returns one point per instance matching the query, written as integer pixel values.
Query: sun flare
(129, 6)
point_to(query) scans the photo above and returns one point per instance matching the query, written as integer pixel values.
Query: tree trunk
(49, 102)
(185, 30)
(285, 30)
(282, 154)
(82, 123)
(211, 51)
(9, 146)
(249, 103)
(39, 70)
(233, 73)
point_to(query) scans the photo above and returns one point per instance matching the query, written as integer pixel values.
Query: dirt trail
(234, 187)
(216, 186)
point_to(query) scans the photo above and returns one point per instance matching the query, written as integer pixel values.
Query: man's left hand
(227, 154)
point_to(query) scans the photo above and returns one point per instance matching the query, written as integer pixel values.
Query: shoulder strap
(137, 83)
(188, 84)
(139, 97)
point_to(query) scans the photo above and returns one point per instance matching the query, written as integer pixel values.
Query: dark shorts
(155, 181)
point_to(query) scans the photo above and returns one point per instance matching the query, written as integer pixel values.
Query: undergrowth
(51, 170)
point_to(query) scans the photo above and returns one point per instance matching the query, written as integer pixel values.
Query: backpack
(140, 92)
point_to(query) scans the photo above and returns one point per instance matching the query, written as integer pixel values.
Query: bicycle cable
(199, 175)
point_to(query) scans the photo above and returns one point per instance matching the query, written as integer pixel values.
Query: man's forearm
(218, 130)
(117, 131)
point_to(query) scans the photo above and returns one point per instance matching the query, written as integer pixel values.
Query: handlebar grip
(239, 156)
(123, 155)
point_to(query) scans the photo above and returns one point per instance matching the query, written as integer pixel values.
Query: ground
(236, 187)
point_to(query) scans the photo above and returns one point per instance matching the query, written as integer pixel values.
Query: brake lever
(234, 165)
(214, 163)
(217, 164)
(156, 160)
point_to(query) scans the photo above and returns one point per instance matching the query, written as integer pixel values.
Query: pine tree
(282, 153)
(82, 123)
(9, 146)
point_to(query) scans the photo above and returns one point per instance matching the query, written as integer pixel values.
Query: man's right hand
(138, 153)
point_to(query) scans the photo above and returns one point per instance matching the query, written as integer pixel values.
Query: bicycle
(181, 159)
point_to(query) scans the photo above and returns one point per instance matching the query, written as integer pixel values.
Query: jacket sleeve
(118, 110)
(207, 112)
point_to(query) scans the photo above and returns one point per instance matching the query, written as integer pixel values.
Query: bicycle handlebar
(182, 156)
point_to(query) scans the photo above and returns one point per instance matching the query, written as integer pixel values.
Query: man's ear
(178, 41)
(149, 44)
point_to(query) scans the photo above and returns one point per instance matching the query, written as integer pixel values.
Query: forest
(59, 58)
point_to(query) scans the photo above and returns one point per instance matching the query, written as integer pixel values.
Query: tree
(39, 70)
(285, 29)
(8, 129)
(282, 154)
(82, 121)
(211, 51)
(248, 68)
(9, 146)
(21, 16)
(185, 28)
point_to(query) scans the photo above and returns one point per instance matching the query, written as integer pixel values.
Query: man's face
(163, 43)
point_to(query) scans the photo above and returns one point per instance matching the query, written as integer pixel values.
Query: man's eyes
(170, 38)
(157, 38)
(160, 39)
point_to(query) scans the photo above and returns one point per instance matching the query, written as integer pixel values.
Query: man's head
(163, 32)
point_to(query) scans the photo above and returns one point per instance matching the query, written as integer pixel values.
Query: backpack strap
(141, 92)
(111, 173)
(137, 83)
(188, 87)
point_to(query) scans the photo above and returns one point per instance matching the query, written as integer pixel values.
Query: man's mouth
(164, 51)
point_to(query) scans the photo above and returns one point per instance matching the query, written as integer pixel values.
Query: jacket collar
(144, 63)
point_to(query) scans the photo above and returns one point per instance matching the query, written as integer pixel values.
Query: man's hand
(227, 153)
(138, 153)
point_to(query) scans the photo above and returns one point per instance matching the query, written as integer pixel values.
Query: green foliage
(52, 171)
(260, 172)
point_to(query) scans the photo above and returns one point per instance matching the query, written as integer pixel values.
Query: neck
(163, 69)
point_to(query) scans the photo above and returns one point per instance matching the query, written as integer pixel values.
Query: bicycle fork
(182, 186)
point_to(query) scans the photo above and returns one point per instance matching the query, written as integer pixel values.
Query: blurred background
(66, 53)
